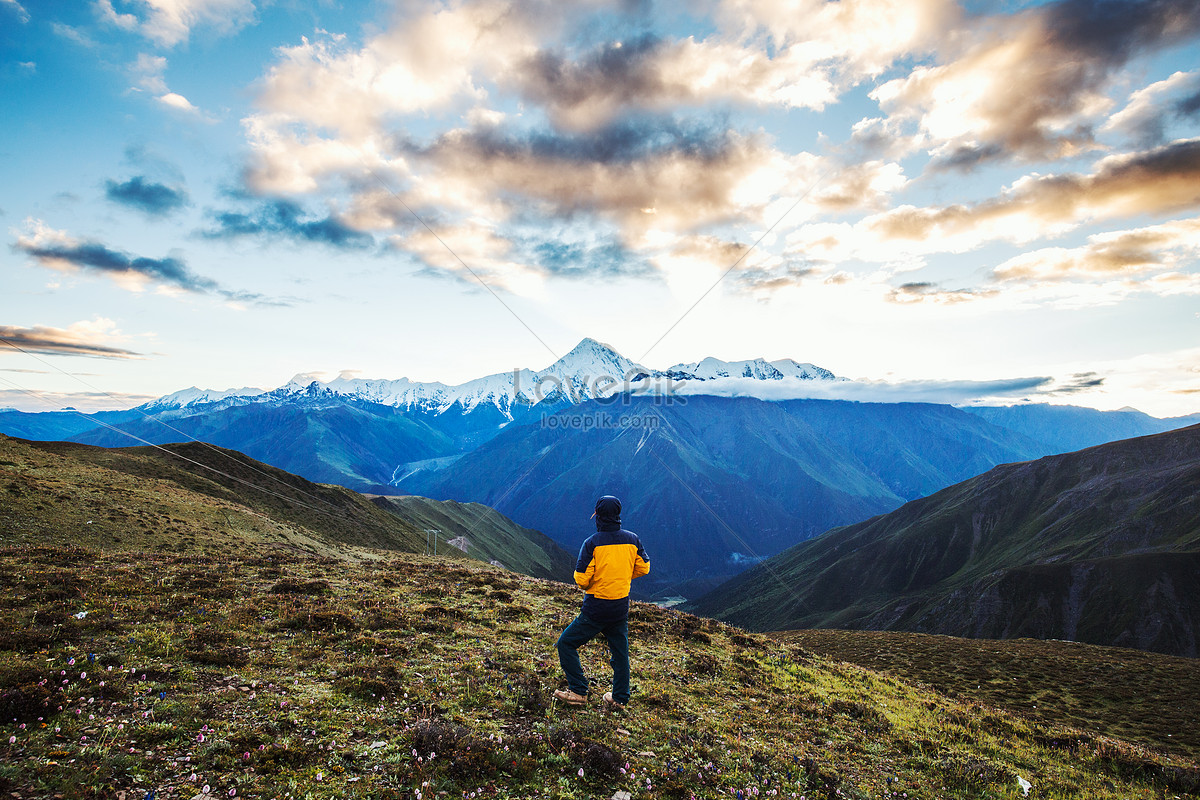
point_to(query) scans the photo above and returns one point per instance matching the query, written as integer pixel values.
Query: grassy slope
(1143, 697)
(490, 535)
(319, 678)
(146, 498)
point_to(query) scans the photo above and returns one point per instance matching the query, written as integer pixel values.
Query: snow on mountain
(591, 370)
(194, 396)
(758, 369)
(432, 396)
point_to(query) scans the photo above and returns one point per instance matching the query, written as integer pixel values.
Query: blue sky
(986, 201)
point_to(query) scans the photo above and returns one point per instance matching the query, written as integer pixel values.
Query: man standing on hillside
(608, 561)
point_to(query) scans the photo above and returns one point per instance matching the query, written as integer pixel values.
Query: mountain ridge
(1097, 546)
(208, 500)
(590, 370)
(785, 471)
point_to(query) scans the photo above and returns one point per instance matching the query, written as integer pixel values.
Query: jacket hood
(608, 514)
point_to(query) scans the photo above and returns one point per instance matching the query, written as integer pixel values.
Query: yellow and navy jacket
(608, 562)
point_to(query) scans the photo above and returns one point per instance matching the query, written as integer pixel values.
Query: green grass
(486, 534)
(1142, 697)
(162, 630)
(146, 499)
(272, 676)
(160, 499)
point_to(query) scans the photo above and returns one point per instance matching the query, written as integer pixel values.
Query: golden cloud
(1031, 85)
(81, 339)
(769, 53)
(924, 292)
(1116, 254)
(1158, 181)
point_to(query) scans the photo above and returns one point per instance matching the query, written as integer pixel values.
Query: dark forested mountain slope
(1099, 546)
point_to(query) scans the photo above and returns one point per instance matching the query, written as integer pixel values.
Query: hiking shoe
(608, 701)
(569, 697)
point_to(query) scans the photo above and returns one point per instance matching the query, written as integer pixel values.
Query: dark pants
(582, 631)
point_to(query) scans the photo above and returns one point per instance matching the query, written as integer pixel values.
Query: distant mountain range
(1062, 429)
(738, 467)
(717, 483)
(591, 370)
(1099, 546)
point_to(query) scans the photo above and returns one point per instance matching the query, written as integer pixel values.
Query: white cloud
(329, 109)
(1128, 253)
(148, 73)
(1157, 181)
(767, 53)
(1029, 86)
(688, 188)
(86, 402)
(16, 8)
(290, 160)
(178, 102)
(109, 15)
(423, 64)
(999, 96)
(659, 75)
(170, 22)
(1145, 117)
(474, 253)
(1164, 383)
(865, 36)
(555, 128)
(97, 338)
(955, 392)
(72, 34)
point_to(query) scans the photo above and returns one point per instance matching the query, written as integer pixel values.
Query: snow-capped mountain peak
(194, 396)
(304, 379)
(592, 369)
(757, 369)
(591, 357)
